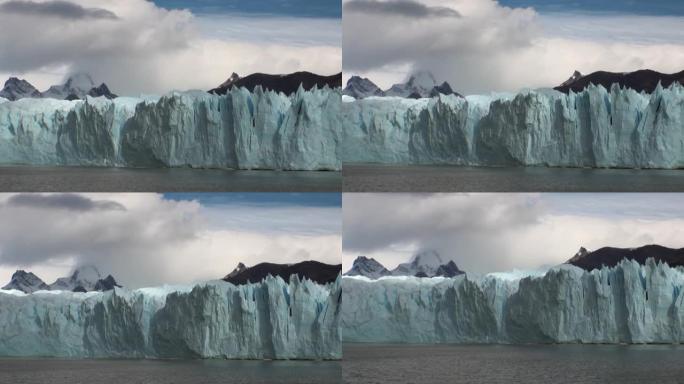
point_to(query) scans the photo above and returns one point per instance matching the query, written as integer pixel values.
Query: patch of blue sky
(283, 8)
(634, 7)
(262, 199)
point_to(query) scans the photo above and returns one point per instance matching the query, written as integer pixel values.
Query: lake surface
(94, 179)
(420, 178)
(59, 371)
(558, 364)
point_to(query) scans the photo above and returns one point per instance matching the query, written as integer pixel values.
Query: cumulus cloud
(148, 49)
(498, 232)
(57, 8)
(496, 48)
(154, 240)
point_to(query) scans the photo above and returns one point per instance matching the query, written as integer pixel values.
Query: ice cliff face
(628, 303)
(592, 128)
(268, 320)
(240, 130)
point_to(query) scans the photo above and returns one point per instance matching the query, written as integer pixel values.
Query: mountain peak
(369, 267)
(359, 88)
(611, 256)
(428, 257)
(26, 282)
(238, 270)
(422, 79)
(16, 89)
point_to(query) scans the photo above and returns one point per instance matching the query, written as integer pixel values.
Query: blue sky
(294, 8)
(639, 7)
(267, 199)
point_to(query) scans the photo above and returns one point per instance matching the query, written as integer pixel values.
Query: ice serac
(627, 303)
(272, 319)
(239, 130)
(594, 128)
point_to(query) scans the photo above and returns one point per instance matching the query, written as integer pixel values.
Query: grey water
(60, 371)
(425, 178)
(98, 179)
(558, 364)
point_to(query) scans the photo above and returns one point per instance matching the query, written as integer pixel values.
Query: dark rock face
(102, 90)
(449, 269)
(369, 267)
(643, 80)
(609, 256)
(26, 282)
(318, 272)
(106, 284)
(16, 89)
(287, 84)
(359, 88)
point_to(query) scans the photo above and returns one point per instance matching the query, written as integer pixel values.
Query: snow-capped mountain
(359, 88)
(84, 279)
(610, 256)
(420, 84)
(427, 263)
(640, 81)
(369, 267)
(26, 282)
(16, 89)
(285, 83)
(422, 264)
(76, 87)
(315, 271)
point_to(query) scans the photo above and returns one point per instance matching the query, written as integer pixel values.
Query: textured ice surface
(241, 130)
(593, 128)
(629, 303)
(272, 319)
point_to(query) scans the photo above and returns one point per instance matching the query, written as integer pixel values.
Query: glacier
(627, 303)
(600, 128)
(239, 130)
(272, 319)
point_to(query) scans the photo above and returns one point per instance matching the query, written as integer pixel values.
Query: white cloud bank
(495, 48)
(499, 232)
(144, 239)
(141, 48)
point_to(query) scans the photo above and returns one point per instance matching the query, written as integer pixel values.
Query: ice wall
(629, 303)
(268, 320)
(240, 130)
(593, 128)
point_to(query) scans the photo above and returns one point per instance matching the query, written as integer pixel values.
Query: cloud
(61, 9)
(66, 201)
(154, 240)
(149, 49)
(499, 232)
(496, 48)
(403, 8)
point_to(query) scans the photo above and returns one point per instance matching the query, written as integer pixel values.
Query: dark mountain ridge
(611, 256)
(315, 271)
(287, 84)
(643, 80)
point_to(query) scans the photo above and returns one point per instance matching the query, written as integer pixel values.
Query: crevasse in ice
(628, 303)
(240, 130)
(268, 320)
(593, 128)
